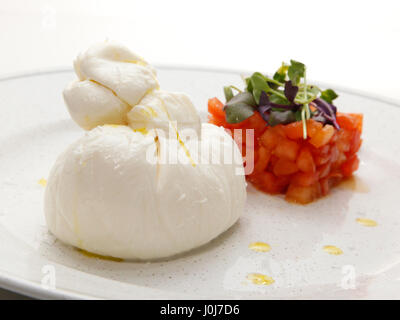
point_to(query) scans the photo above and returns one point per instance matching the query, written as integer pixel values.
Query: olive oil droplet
(98, 256)
(259, 246)
(367, 222)
(333, 250)
(355, 184)
(260, 279)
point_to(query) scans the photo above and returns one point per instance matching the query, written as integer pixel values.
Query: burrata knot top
(117, 86)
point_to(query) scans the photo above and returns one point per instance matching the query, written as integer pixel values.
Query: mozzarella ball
(106, 196)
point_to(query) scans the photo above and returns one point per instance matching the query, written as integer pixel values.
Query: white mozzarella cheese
(104, 196)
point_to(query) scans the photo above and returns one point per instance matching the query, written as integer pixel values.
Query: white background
(351, 44)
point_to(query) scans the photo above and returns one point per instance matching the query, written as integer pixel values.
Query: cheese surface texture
(115, 191)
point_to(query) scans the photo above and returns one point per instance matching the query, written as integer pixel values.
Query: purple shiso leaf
(264, 112)
(266, 106)
(264, 100)
(334, 109)
(291, 107)
(327, 110)
(263, 109)
(324, 107)
(290, 91)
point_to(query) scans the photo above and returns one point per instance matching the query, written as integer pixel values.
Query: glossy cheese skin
(105, 197)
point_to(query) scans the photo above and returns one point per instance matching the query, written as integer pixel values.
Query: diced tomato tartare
(286, 163)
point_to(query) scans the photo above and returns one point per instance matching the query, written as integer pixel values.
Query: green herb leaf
(228, 93)
(274, 98)
(258, 84)
(237, 114)
(249, 87)
(313, 91)
(281, 117)
(296, 71)
(240, 107)
(280, 74)
(328, 95)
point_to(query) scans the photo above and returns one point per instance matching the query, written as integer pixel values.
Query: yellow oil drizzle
(367, 222)
(177, 134)
(141, 130)
(355, 184)
(185, 149)
(42, 182)
(98, 256)
(112, 91)
(333, 250)
(157, 143)
(260, 279)
(149, 112)
(152, 111)
(259, 246)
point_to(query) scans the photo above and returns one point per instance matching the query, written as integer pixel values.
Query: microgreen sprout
(282, 99)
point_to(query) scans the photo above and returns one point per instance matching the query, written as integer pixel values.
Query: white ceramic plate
(35, 128)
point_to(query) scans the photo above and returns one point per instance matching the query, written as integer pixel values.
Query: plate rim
(33, 289)
(54, 70)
